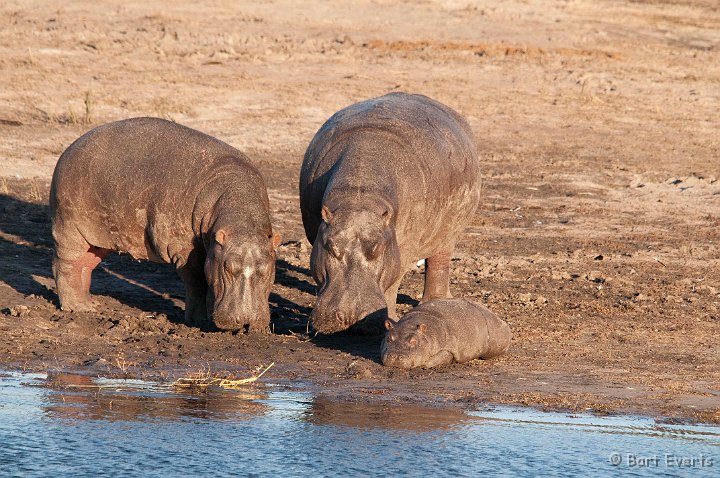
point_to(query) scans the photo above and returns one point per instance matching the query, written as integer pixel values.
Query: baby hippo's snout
(405, 347)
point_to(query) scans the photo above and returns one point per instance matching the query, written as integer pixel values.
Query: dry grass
(73, 118)
(204, 380)
(35, 192)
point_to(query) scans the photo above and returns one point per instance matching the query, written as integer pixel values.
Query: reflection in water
(389, 416)
(80, 426)
(613, 425)
(81, 397)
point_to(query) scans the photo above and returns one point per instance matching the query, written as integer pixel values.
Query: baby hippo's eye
(413, 341)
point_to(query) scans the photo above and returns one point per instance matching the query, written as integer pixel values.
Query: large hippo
(444, 331)
(161, 191)
(384, 183)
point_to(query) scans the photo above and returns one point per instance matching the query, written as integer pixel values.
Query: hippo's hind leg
(437, 276)
(73, 263)
(196, 287)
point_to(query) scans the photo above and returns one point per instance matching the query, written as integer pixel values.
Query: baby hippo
(160, 191)
(442, 331)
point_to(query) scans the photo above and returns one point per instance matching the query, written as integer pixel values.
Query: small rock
(560, 275)
(595, 276)
(17, 311)
(706, 289)
(358, 370)
(532, 299)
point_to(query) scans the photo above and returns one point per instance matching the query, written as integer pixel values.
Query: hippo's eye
(373, 250)
(333, 249)
(412, 341)
(232, 266)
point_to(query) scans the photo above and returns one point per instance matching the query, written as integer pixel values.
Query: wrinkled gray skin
(160, 191)
(384, 183)
(443, 331)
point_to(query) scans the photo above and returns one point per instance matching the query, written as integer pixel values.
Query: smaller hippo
(163, 192)
(442, 331)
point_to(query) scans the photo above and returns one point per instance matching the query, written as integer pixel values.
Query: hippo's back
(419, 123)
(422, 150)
(126, 158)
(474, 329)
(119, 177)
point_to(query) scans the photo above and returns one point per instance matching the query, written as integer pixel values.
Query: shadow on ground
(26, 243)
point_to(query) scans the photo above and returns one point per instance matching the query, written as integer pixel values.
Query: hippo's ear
(326, 214)
(220, 236)
(386, 217)
(389, 324)
(276, 240)
(421, 329)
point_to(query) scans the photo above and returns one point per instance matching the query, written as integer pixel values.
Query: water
(70, 425)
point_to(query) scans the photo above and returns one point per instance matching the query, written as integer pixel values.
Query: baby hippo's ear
(389, 324)
(220, 236)
(276, 240)
(326, 214)
(421, 329)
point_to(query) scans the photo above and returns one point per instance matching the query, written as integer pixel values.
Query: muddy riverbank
(597, 239)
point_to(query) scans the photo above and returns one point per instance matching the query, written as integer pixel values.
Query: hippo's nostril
(345, 319)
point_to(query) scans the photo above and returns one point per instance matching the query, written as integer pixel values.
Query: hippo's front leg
(196, 287)
(444, 357)
(437, 276)
(391, 298)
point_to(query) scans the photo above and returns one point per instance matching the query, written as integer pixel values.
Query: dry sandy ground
(598, 238)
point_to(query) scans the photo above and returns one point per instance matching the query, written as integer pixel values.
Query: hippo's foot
(73, 277)
(197, 319)
(196, 313)
(74, 305)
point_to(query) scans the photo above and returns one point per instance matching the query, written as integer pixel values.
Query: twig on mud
(205, 380)
(299, 337)
(659, 262)
(123, 364)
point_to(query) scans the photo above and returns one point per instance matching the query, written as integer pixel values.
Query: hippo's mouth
(398, 360)
(370, 324)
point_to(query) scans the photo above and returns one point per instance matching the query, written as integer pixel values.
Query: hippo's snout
(232, 319)
(345, 320)
(234, 324)
(360, 319)
(398, 360)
